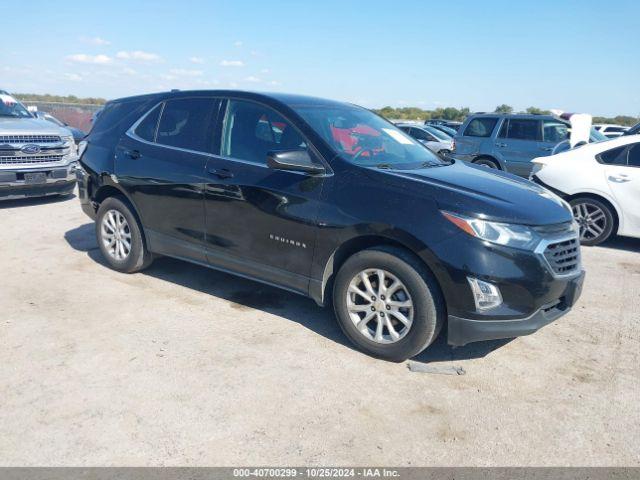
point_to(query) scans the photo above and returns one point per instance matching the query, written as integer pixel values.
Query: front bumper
(58, 180)
(462, 331)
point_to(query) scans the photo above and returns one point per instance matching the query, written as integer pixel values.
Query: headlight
(507, 234)
(82, 146)
(69, 142)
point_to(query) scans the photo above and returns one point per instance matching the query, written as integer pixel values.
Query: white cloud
(232, 63)
(255, 53)
(129, 71)
(74, 77)
(274, 83)
(96, 41)
(139, 55)
(198, 60)
(252, 79)
(84, 58)
(183, 72)
(265, 70)
(237, 44)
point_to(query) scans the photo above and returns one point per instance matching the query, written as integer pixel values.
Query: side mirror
(295, 160)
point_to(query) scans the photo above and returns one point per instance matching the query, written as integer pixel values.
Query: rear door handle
(220, 172)
(501, 144)
(133, 154)
(547, 149)
(621, 178)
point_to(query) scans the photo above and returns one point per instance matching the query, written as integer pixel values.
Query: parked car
(610, 131)
(329, 200)
(510, 141)
(36, 157)
(78, 134)
(447, 123)
(601, 182)
(635, 130)
(432, 138)
(444, 129)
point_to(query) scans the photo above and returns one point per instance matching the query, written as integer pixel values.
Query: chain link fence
(76, 115)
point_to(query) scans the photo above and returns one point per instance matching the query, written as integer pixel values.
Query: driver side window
(251, 130)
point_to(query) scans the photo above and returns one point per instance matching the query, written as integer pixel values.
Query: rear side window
(146, 129)
(633, 160)
(615, 156)
(252, 130)
(480, 127)
(187, 123)
(421, 135)
(523, 129)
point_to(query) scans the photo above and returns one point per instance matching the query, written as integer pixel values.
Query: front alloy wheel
(379, 306)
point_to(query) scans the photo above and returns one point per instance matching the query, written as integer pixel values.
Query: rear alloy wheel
(594, 218)
(487, 162)
(120, 238)
(387, 303)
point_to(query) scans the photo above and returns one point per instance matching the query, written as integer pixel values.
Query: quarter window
(523, 129)
(146, 129)
(252, 130)
(480, 127)
(615, 156)
(633, 160)
(186, 123)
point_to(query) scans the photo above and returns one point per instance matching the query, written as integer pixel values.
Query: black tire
(138, 257)
(579, 206)
(487, 162)
(429, 308)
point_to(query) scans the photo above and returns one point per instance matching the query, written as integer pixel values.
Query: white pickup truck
(37, 157)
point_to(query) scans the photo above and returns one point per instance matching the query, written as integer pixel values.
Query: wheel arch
(488, 157)
(355, 245)
(109, 190)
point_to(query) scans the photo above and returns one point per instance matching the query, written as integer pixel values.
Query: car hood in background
(30, 126)
(492, 194)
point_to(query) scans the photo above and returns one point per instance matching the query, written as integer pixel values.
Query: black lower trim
(58, 188)
(462, 331)
(551, 189)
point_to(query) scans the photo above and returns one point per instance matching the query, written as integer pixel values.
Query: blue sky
(581, 56)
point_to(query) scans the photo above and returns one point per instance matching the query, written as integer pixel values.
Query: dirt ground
(182, 365)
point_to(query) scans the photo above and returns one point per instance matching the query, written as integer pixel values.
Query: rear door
(623, 176)
(520, 145)
(161, 163)
(260, 221)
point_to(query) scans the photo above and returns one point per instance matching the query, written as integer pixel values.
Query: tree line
(36, 97)
(459, 114)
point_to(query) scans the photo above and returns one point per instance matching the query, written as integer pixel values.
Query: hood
(492, 194)
(30, 126)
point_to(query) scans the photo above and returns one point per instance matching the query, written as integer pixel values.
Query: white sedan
(432, 138)
(601, 182)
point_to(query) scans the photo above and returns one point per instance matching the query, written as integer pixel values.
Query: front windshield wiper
(433, 164)
(384, 166)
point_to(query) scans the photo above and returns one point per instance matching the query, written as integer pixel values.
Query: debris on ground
(437, 369)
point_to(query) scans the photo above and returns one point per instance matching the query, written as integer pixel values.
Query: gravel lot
(181, 365)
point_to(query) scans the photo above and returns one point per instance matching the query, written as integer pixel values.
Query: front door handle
(220, 172)
(133, 154)
(547, 149)
(502, 145)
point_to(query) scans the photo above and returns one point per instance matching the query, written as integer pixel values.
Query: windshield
(437, 133)
(10, 107)
(596, 136)
(364, 138)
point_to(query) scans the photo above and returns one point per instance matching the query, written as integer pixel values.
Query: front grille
(564, 256)
(30, 160)
(30, 139)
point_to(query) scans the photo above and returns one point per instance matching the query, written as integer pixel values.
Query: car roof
(514, 115)
(599, 147)
(288, 99)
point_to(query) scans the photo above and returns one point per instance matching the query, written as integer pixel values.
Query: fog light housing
(485, 295)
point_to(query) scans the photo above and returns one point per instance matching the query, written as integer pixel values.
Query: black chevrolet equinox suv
(329, 200)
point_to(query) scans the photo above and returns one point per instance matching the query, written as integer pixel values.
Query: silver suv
(37, 157)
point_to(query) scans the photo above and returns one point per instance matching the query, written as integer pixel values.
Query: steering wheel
(362, 150)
